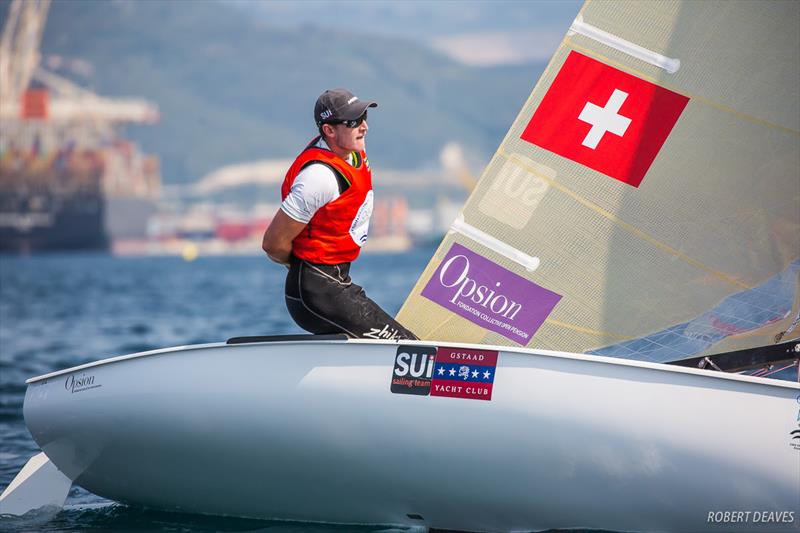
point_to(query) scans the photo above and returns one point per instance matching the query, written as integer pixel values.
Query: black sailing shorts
(323, 299)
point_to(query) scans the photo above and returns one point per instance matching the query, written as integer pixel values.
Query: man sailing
(323, 223)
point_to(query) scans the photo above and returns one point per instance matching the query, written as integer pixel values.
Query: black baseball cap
(339, 104)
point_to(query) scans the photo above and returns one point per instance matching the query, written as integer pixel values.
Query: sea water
(58, 311)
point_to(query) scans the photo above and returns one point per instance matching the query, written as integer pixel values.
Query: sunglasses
(352, 123)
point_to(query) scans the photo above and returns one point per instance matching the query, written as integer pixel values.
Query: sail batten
(663, 205)
(670, 64)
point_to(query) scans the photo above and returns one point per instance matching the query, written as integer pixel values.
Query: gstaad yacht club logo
(463, 373)
(604, 118)
(449, 372)
(80, 383)
(489, 295)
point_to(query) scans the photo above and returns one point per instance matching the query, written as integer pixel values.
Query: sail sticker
(413, 369)
(604, 118)
(489, 295)
(449, 372)
(463, 373)
(516, 192)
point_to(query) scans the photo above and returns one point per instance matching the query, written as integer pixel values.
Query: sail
(646, 201)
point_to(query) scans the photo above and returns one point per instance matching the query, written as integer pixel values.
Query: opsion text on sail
(481, 295)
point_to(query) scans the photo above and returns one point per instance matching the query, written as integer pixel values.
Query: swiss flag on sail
(604, 118)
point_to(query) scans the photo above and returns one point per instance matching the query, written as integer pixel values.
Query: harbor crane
(20, 65)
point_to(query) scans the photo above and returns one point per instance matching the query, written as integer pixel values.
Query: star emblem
(487, 374)
(475, 373)
(441, 371)
(452, 371)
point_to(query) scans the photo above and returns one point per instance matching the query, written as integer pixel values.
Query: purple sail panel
(490, 296)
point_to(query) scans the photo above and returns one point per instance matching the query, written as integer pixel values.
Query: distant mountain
(474, 32)
(419, 20)
(232, 88)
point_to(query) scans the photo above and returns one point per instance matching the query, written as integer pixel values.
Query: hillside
(231, 88)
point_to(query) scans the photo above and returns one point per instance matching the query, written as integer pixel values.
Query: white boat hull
(311, 431)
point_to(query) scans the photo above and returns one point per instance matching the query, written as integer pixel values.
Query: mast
(19, 46)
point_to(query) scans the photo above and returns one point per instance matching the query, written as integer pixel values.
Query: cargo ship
(51, 201)
(63, 193)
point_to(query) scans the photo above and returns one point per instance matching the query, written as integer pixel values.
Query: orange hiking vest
(338, 230)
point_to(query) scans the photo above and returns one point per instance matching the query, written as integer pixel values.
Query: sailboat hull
(311, 431)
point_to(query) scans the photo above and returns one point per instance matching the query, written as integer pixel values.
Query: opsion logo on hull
(80, 383)
(489, 295)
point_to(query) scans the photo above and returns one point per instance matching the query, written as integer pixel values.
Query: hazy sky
(477, 32)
